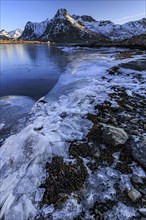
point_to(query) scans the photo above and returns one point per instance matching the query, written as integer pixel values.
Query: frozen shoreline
(78, 90)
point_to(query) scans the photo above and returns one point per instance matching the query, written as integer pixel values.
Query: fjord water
(29, 70)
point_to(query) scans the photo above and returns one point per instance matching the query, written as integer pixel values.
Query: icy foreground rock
(55, 121)
(113, 135)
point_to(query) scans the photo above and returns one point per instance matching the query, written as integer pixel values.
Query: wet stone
(135, 132)
(114, 70)
(139, 151)
(137, 179)
(134, 121)
(113, 136)
(134, 195)
(135, 65)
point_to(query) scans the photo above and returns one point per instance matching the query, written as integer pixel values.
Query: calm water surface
(30, 70)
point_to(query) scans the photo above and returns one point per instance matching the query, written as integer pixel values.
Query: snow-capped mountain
(16, 33)
(33, 30)
(114, 31)
(64, 28)
(4, 34)
(11, 34)
(61, 28)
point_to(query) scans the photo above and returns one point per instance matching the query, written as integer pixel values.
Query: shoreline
(88, 45)
(95, 178)
(21, 42)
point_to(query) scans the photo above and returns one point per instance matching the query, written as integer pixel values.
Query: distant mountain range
(64, 28)
(10, 35)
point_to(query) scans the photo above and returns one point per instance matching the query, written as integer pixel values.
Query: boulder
(113, 136)
(134, 195)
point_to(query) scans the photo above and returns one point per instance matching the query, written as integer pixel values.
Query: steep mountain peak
(16, 33)
(2, 30)
(87, 18)
(61, 12)
(33, 30)
(4, 34)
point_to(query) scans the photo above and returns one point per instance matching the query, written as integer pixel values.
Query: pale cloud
(127, 18)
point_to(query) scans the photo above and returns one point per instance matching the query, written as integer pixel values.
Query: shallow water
(30, 70)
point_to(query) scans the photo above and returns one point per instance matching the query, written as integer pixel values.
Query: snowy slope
(115, 31)
(16, 33)
(4, 34)
(33, 30)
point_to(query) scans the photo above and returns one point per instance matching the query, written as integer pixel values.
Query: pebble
(103, 120)
(134, 195)
(142, 211)
(129, 107)
(137, 179)
(127, 117)
(142, 191)
(144, 126)
(134, 121)
(135, 132)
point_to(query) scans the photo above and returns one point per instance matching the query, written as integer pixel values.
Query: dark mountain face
(139, 41)
(62, 30)
(65, 29)
(29, 31)
(87, 18)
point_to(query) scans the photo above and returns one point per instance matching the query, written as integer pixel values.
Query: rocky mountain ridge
(64, 28)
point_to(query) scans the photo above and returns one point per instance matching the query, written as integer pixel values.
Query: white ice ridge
(24, 155)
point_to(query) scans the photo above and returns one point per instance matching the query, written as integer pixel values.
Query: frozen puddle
(54, 121)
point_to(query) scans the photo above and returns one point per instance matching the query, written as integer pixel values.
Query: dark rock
(139, 151)
(114, 70)
(134, 195)
(135, 41)
(138, 65)
(137, 179)
(142, 211)
(113, 136)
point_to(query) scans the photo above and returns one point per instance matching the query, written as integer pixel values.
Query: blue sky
(15, 14)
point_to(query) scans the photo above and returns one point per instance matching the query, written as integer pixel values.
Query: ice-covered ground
(24, 155)
(13, 110)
